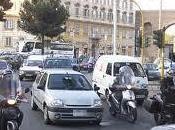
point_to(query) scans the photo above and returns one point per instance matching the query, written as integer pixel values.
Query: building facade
(89, 28)
(151, 23)
(10, 32)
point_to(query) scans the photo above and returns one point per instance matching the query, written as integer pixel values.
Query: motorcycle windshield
(126, 76)
(9, 86)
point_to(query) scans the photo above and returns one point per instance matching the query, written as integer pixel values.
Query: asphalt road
(33, 120)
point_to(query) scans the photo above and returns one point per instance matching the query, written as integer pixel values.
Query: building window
(131, 18)
(118, 3)
(110, 15)
(118, 16)
(95, 13)
(9, 24)
(8, 42)
(86, 11)
(131, 6)
(124, 17)
(125, 5)
(77, 10)
(103, 14)
(123, 50)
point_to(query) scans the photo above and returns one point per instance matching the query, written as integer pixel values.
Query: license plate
(79, 113)
(140, 96)
(29, 75)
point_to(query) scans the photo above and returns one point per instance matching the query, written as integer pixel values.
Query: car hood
(30, 68)
(73, 97)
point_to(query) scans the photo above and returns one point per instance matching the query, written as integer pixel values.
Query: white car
(65, 95)
(31, 67)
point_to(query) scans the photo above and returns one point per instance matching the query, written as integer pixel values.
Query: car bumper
(67, 114)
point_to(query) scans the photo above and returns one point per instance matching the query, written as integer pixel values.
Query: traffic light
(138, 40)
(157, 38)
(147, 41)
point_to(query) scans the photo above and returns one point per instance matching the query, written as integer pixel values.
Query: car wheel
(33, 105)
(46, 116)
(97, 122)
(21, 78)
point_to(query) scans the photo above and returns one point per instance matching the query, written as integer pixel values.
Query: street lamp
(142, 28)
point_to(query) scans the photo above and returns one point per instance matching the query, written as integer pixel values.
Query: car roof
(118, 58)
(60, 71)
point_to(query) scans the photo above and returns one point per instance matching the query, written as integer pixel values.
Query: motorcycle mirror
(27, 90)
(129, 86)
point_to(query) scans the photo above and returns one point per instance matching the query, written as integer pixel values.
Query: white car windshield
(68, 82)
(34, 63)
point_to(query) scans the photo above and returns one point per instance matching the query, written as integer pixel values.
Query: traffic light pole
(162, 53)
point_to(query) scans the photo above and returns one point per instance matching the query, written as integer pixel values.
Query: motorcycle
(162, 105)
(11, 113)
(122, 101)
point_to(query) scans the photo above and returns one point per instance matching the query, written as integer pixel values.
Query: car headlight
(57, 103)
(21, 72)
(97, 103)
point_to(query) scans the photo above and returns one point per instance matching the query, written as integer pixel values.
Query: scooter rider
(125, 77)
(9, 87)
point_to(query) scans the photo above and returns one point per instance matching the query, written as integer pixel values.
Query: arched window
(110, 15)
(86, 11)
(131, 18)
(77, 9)
(124, 17)
(94, 12)
(118, 16)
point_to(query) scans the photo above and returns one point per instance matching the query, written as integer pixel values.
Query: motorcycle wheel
(112, 111)
(158, 119)
(12, 125)
(132, 114)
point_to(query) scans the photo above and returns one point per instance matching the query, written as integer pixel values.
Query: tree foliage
(4, 6)
(43, 17)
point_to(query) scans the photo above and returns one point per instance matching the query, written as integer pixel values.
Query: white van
(107, 66)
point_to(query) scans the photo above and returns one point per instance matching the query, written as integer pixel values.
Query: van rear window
(136, 67)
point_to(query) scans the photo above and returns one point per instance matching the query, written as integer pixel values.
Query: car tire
(21, 78)
(97, 122)
(46, 116)
(33, 105)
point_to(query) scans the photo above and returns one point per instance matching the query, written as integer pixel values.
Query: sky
(155, 4)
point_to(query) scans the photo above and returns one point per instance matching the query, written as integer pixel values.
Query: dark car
(57, 62)
(152, 71)
(88, 64)
(5, 69)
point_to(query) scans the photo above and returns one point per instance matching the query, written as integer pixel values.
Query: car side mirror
(26, 90)
(40, 87)
(40, 66)
(75, 68)
(96, 88)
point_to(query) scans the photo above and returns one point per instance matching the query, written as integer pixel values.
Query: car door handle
(104, 76)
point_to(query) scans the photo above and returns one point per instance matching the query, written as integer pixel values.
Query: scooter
(10, 111)
(126, 106)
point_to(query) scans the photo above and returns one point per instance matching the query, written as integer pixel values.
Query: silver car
(65, 95)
